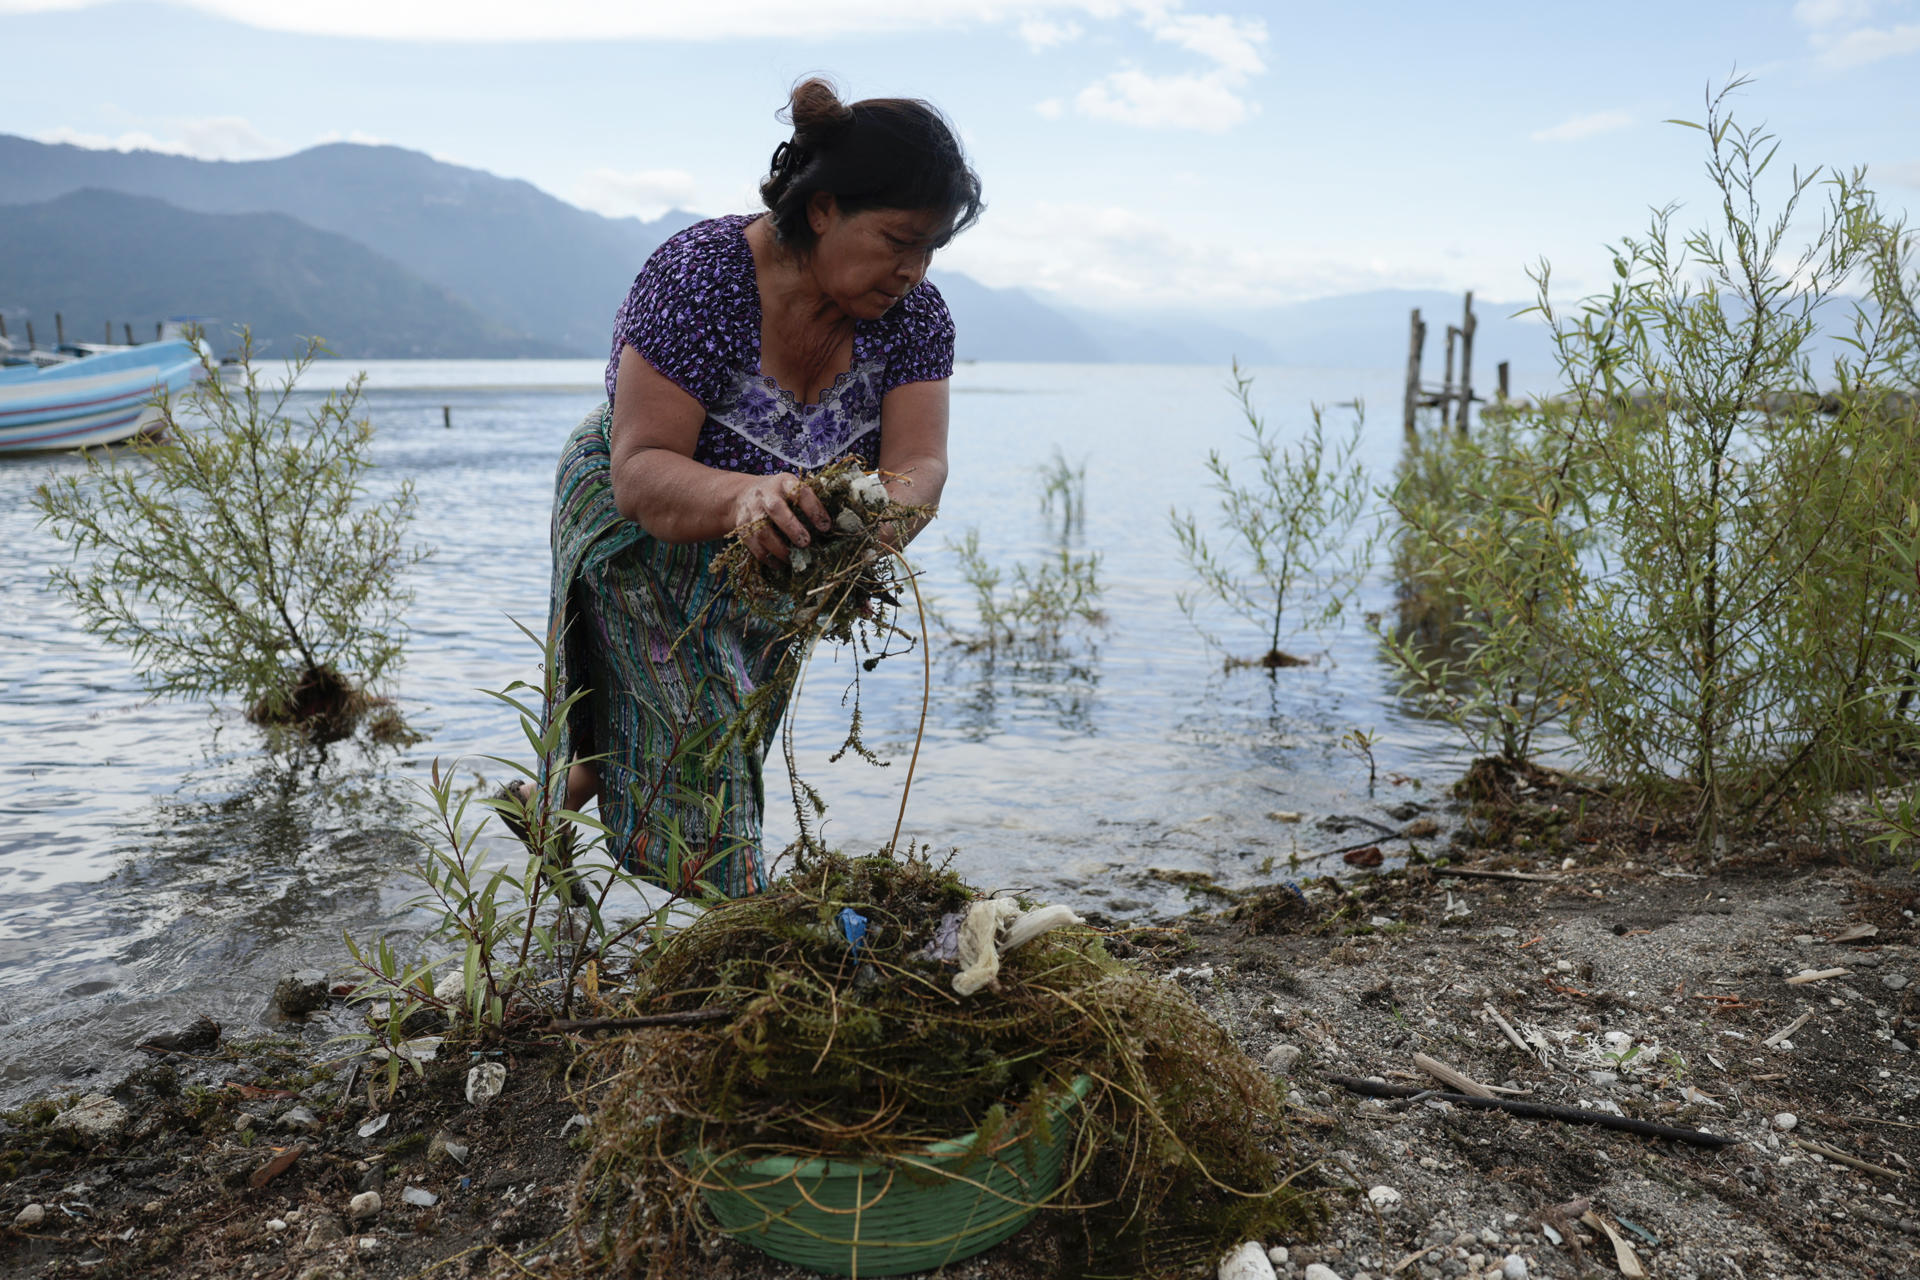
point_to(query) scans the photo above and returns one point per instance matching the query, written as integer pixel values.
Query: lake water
(156, 863)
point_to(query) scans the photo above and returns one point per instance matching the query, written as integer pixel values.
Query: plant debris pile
(848, 579)
(863, 1051)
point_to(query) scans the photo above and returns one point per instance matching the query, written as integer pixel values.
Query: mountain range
(389, 252)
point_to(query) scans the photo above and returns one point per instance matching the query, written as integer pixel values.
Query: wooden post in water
(59, 330)
(1446, 383)
(128, 330)
(159, 328)
(1467, 325)
(1416, 341)
(3, 326)
(31, 344)
(446, 416)
(1505, 390)
(108, 340)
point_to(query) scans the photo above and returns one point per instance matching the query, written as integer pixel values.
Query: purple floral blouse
(694, 313)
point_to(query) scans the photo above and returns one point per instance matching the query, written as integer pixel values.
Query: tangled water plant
(861, 1051)
(845, 587)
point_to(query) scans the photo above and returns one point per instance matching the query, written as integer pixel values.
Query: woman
(750, 349)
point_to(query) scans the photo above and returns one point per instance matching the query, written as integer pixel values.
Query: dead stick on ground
(1475, 873)
(1412, 1258)
(1773, 1041)
(1539, 1111)
(1513, 1037)
(1623, 1255)
(1840, 1157)
(684, 1018)
(1447, 1075)
(1817, 975)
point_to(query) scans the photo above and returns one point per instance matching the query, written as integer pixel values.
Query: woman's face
(867, 261)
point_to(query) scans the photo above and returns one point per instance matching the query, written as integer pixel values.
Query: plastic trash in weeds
(853, 927)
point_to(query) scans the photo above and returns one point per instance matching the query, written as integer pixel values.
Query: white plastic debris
(375, 1125)
(799, 559)
(871, 490)
(420, 1197)
(485, 1081)
(995, 926)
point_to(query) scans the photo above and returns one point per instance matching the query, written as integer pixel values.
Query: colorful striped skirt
(669, 658)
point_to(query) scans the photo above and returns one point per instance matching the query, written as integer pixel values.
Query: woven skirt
(668, 659)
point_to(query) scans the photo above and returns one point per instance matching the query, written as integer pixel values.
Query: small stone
(301, 993)
(1280, 1059)
(1420, 829)
(420, 1197)
(1247, 1261)
(1283, 815)
(1320, 1271)
(1278, 1255)
(95, 1117)
(30, 1217)
(299, 1120)
(1514, 1268)
(326, 1229)
(368, 1245)
(276, 1225)
(485, 1081)
(1894, 981)
(1384, 1197)
(363, 1206)
(1785, 1121)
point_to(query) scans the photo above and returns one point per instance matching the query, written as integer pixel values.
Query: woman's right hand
(772, 514)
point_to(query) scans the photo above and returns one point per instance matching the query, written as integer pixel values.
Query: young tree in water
(1286, 560)
(238, 550)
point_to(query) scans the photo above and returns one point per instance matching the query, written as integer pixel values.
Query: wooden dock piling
(1416, 340)
(1454, 399)
(59, 330)
(446, 416)
(31, 344)
(1468, 323)
(129, 332)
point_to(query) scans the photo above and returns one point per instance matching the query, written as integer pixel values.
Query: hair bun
(817, 113)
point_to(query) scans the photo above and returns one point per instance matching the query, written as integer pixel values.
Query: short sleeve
(690, 311)
(920, 348)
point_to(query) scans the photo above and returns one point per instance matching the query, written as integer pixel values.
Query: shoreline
(1689, 960)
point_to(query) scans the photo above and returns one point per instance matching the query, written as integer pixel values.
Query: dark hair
(883, 153)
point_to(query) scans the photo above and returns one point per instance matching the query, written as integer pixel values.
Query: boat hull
(97, 400)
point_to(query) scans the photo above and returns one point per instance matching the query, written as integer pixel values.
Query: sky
(1136, 154)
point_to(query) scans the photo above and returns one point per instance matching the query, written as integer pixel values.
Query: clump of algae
(867, 1054)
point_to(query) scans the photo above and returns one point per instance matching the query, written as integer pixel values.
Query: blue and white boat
(97, 399)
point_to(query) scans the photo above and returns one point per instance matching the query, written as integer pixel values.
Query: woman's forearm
(919, 483)
(675, 498)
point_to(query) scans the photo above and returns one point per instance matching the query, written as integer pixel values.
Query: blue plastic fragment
(853, 926)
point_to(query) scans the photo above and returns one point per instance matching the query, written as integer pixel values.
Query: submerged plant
(239, 552)
(1285, 557)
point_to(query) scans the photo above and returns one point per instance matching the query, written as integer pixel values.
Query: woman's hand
(772, 514)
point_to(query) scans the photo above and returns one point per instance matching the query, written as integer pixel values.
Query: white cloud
(1864, 45)
(1093, 255)
(1587, 126)
(203, 137)
(1820, 14)
(1232, 43)
(1206, 101)
(516, 20)
(1210, 101)
(1045, 33)
(357, 136)
(639, 193)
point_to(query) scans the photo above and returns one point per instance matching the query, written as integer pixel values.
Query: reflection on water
(155, 863)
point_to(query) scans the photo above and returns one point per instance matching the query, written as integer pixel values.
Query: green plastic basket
(860, 1218)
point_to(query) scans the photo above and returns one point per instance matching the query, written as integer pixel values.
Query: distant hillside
(100, 256)
(1369, 330)
(1010, 324)
(528, 262)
